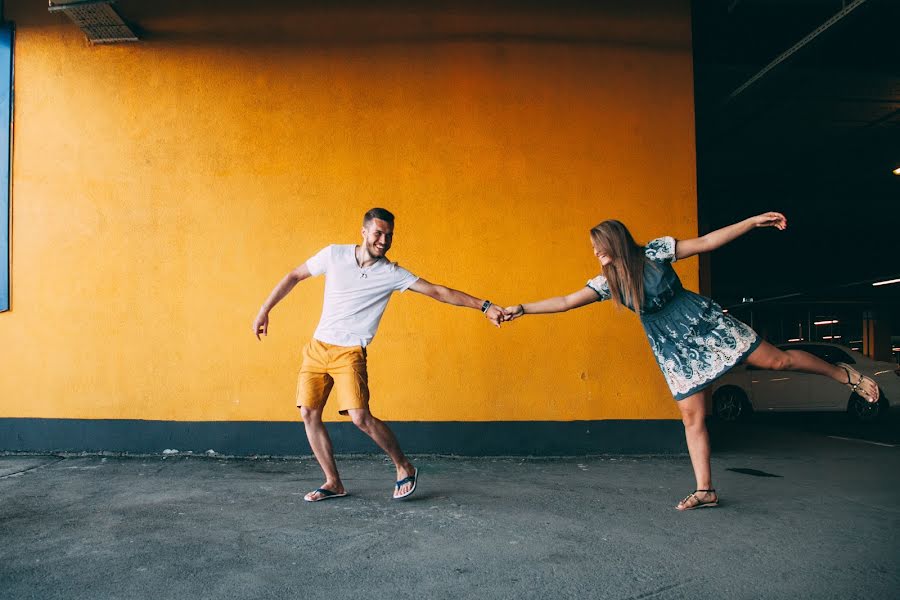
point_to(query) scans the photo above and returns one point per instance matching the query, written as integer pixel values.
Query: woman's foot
(699, 499)
(863, 386)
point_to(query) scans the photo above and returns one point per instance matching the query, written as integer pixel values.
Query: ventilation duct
(97, 19)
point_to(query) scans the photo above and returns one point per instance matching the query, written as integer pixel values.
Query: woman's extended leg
(767, 356)
(693, 413)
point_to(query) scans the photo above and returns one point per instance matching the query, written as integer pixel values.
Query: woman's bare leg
(693, 415)
(767, 356)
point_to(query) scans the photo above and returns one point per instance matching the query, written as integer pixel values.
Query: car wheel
(862, 411)
(730, 404)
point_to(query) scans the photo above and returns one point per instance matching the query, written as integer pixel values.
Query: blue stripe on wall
(6, 37)
(247, 438)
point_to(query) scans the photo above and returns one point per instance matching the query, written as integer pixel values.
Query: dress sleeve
(318, 264)
(601, 287)
(661, 250)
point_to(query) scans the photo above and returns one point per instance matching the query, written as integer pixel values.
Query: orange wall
(161, 189)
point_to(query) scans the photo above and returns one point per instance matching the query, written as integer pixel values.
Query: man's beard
(373, 251)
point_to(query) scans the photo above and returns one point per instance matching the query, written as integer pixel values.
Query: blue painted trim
(6, 96)
(246, 438)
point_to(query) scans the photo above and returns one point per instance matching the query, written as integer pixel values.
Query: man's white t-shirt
(355, 298)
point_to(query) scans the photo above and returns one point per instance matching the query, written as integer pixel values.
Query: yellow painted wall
(161, 189)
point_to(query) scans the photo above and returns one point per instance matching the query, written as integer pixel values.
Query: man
(359, 281)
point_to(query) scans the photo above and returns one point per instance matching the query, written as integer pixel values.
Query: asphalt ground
(805, 512)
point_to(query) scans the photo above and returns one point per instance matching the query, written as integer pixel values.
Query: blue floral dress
(693, 340)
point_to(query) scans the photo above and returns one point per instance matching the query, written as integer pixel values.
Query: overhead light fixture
(97, 19)
(896, 171)
(831, 322)
(831, 337)
(888, 282)
(795, 340)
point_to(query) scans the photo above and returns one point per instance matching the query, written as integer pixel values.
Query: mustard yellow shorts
(326, 367)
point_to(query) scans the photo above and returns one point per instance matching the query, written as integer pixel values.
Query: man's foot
(406, 482)
(699, 499)
(326, 492)
(860, 384)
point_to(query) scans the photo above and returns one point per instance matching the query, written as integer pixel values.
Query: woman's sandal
(700, 503)
(855, 386)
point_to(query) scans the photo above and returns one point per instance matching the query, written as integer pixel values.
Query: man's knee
(361, 418)
(310, 415)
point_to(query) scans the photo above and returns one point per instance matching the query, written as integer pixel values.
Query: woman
(693, 340)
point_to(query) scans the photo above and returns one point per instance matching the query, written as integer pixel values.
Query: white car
(745, 389)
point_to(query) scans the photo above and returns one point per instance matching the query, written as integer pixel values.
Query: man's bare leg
(320, 442)
(382, 435)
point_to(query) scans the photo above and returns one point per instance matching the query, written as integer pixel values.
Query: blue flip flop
(414, 478)
(326, 495)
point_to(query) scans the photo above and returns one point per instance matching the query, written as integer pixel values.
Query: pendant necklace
(364, 272)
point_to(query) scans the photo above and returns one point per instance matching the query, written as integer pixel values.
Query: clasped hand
(498, 315)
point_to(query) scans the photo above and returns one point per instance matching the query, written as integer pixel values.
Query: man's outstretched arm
(450, 296)
(261, 324)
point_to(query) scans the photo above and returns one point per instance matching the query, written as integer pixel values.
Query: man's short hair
(378, 213)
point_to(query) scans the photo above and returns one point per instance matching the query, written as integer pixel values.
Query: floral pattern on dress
(694, 341)
(693, 350)
(661, 249)
(600, 285)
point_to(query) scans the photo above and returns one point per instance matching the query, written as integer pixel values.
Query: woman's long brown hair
(625, 272)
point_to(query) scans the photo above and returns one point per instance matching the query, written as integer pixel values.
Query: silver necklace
(364, 272)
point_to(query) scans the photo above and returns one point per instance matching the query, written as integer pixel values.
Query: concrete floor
(94, 527)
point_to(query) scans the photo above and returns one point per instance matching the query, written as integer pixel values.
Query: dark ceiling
(815, 137)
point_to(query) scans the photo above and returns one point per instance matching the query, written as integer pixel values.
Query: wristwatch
(485, 306)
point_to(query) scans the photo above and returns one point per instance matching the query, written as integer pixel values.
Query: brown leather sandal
(700, 503)
(855, 386)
